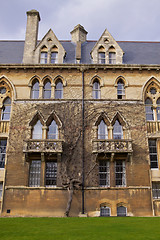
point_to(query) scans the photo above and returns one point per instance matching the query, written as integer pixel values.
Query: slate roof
(11, 52)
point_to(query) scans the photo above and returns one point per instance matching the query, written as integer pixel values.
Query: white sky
(125, 19)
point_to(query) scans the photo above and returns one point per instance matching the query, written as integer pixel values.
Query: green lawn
(79, 228)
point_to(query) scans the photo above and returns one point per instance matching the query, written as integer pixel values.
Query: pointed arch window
(37, 130)
(44, 55)
(117, 130)
(54, 57)
(101, 55)
(47, 89)
(158, 109)
(120, 89)
(96, 90)
(112, 55)
(59, 89)
(6, 109)
(102, 130)
(52, 131)
(35, 89)
(149, 109)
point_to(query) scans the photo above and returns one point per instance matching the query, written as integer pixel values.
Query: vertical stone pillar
(33, 19)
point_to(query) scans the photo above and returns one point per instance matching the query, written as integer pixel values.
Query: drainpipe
(83, 129)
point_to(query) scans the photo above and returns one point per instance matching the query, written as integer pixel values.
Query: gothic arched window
(120, 89)
(96, 90)
(102, 130)
(35, 89)
(47, 90)
(6, 109)
(52, 131)
(37, 130)
(117, 130)
(149, 109)
(59, 89)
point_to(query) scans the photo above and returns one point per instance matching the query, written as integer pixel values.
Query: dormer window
(101, 55)
(44, 55)
(112, 55)
(54, 55)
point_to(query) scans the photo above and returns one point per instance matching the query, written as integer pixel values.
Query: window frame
(44, 57)
(35, 173)
(156, 190)
(153, 154)
(120, 89)
(36, 134)
(121, 174)
(96, 90)
(117, 130)
(105, 208)
(6, 109)
(35, 89)
(104, 176)
(112, 57)
(47, 91)
(151, 111)
(52, 172)
(123, 214)
(3, 153)
(59, 90)
(102, 127)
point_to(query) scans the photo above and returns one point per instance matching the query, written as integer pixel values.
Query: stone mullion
(40, 91)
(42, 181)
(110, 132)
(53, 91)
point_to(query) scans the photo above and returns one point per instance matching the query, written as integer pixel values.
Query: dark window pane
(51, 174)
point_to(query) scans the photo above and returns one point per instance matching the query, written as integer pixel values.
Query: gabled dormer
(49, 50)
(107, 50)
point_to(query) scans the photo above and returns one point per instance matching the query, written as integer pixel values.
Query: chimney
(33, 19)
(79, 34)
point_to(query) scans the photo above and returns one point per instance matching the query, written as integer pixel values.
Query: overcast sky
(125, 19)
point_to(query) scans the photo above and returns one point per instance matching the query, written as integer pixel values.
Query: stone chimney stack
(33, 19)
(79, 34)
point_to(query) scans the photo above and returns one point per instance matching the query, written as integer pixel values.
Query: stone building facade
(80, 125)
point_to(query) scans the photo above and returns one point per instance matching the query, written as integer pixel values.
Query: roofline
(86, 41)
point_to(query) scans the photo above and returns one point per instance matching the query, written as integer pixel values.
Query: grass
(80, 228)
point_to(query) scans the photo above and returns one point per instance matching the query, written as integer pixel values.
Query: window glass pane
(121, 211)
(3, 145)
(54, 57)
(37, 131)
(120, 90)
(117, 130)
(96, 90)
(59, 90)
(1, 189)
(51, 174)
(47, 90)
(149, 110)
(52, 131)
(35, 173)
(104, 173)
(158, 109)
(112, 58)
(35, 90)
(43, 58)
(101, 58)
(120, 173)
(153, 153)
(102, 130)
(6, 109)
(104, 211)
